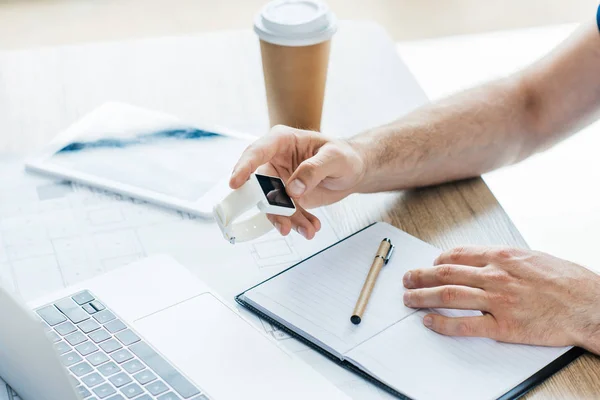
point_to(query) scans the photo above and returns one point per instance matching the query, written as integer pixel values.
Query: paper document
(55, 234)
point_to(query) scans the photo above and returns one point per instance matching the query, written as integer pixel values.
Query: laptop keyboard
(106, 358)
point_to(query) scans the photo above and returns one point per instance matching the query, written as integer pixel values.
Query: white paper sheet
(6, 393)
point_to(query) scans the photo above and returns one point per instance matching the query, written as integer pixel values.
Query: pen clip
(389, 254)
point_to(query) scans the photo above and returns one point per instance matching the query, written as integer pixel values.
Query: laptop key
(115, 326)
(133, 366)
(71, 310)
(53, 336)
(89, 309)
(103, 391)
(132, 390)
(83, 392)
(145, 376)
(70, 359)
(81, 369)
(74, 381)
(97, 358)
(117, 397)
(156, 388)
(127, 337)
(86, 348)
(65, 328)
(109, 369)
(51, 315)
(201, 397)
(99, 336)
(164, 370)
(62, 347)
(144, 397)
(121, 379)
(104, 316)
(92, 380)
(121, 356)
(97, 305)
(75, 338)
(169, 396)
(88, 326)
(110, 345)
(83, 297)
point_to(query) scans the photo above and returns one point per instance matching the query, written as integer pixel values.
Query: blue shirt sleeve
(598, 17)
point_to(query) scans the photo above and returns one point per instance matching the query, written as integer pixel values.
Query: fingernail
(407, 299)
(302, 231)
(406, 279)
(277, 226)
(296, 188)
(428, 321)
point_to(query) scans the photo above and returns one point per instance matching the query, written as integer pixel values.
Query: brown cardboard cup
(295, 40)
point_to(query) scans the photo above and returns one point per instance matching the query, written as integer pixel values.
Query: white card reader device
(264, 193)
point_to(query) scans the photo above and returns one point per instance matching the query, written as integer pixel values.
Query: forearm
(485, 128)
(460, 137)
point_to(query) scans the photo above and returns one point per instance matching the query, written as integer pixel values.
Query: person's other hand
(525, 296)
(317, 171)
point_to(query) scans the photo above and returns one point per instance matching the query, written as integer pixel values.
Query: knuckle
(279, 129)
(309, 168)
(456, 254)
(464, 329)
(443, 273)
(333, 149)
(283, 134)
(506, 253)
(448, 295)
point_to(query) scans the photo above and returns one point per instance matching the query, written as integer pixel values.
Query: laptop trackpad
(221, 352)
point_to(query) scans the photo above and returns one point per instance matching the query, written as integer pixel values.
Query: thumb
(314, 170)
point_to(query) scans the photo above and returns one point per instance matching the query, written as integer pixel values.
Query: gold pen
(384, 253)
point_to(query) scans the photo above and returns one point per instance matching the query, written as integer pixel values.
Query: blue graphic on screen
(179, 134)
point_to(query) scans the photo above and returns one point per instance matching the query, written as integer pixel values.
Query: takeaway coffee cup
(295, 38)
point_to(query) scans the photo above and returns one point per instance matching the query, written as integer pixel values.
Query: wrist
(363, 148)
(588, 336)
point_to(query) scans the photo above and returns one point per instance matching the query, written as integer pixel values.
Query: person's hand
(317, 171)
(525, 296)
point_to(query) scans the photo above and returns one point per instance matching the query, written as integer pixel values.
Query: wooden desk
(216, 79)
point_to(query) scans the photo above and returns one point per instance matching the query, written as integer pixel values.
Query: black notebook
(313, 300)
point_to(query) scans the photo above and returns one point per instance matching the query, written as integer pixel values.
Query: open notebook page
(317, 297)
(425, 365)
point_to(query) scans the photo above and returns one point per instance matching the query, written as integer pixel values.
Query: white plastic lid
(295, 22)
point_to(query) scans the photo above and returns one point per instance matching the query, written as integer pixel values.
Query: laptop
(150, 330)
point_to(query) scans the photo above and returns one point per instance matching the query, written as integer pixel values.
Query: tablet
(146, 155)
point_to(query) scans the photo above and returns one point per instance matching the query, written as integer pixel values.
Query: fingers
(282, 224)
(480, 326)
(259, 153)
(311, 172)
(455, 297)
(302, 222)
(444, 275)
(474, 256)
